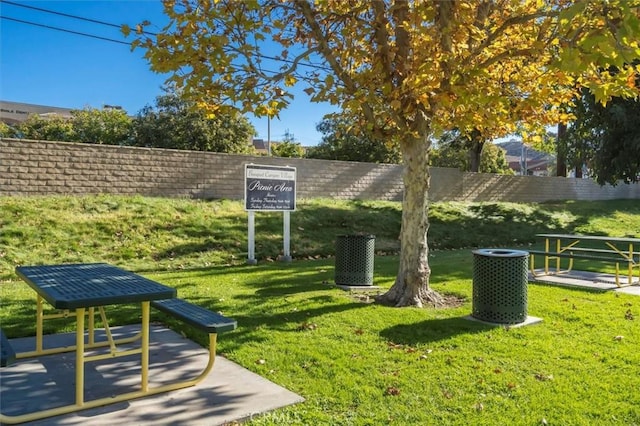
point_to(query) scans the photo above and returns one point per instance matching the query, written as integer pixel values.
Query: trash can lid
(500, 252)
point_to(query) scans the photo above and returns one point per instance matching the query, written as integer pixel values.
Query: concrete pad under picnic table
(229, 393)
(598, 281)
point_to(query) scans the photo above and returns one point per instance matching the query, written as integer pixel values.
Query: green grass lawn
(353, 361)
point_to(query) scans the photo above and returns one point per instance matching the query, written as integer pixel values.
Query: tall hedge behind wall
(41, 167)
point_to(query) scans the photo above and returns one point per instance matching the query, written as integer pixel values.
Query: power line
(65, 30)
(109, 24)
(89, 35)
(53, 12)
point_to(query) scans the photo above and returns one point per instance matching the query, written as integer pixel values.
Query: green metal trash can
(354, 260)
(500, 278)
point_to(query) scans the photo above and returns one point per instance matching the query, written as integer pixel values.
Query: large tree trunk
(475, 156)
(475, 151)
(561, 151)
(411, 287)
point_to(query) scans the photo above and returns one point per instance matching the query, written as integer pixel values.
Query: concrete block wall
(491, 187)
(41, 167)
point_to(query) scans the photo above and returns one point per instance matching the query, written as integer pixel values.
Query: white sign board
(269, 188)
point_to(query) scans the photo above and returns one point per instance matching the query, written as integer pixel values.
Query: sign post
(269, 188)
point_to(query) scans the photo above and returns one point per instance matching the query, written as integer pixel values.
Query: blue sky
(49, 67)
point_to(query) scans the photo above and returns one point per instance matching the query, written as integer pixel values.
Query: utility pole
(268, 135)
(523, 160)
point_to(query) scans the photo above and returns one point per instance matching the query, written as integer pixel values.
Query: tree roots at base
(424, 297)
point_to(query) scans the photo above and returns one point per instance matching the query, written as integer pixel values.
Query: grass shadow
(432, 330)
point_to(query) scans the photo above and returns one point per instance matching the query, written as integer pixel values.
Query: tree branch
(382, 37)
(507, 54)
(443, 21)
(279, 75)
(508, 23)
(482, 13)
(403, 40)
(327, 52)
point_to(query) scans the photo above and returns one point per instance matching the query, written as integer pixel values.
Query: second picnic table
(615, 250)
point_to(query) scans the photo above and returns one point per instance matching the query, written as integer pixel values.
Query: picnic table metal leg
(627, 256)
(631, 264)
(39, 325)
(91, 326)
(81, 360)
(83, 405)
(546, 259)
(92, 343)
(145, 347)
(533, 266)
(80, 357)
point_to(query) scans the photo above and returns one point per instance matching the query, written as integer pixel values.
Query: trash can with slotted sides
(354, 260)
(500, 285)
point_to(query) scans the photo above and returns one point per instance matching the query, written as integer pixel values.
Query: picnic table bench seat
(635, 254)
(195, 315)
(7, 354)
(572, 255)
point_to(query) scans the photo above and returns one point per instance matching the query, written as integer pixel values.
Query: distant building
(17, 112)
(261, 146)
(525, 160)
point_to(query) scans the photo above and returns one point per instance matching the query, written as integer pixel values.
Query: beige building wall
(41, 167)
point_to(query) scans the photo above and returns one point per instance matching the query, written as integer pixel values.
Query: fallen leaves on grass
(364, 298)
(544, 377)
(392, 345)
(426, 353)
(305, 326)
(400, 347)
(410, 350)
(392, 391)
